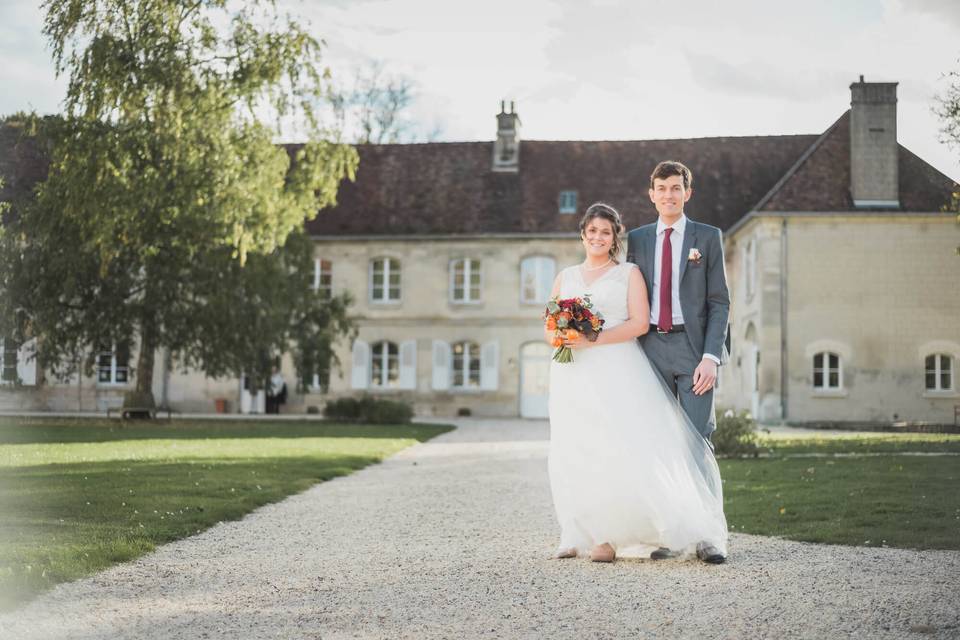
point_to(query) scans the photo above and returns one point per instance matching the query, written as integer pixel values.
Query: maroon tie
(665, 321)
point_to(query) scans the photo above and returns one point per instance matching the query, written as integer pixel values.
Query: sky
(608, 69)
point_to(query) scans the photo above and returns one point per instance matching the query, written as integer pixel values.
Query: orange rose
(557, 342)
(551, 323)
(572, 334)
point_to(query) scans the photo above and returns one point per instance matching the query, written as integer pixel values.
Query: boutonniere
(695, 256)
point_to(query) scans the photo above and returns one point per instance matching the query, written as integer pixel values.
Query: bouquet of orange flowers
(567, 319)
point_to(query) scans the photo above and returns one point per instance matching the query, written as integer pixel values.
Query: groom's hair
(669, 168)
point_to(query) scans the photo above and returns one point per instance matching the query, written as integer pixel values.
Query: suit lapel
(651, 241)
(689, 238)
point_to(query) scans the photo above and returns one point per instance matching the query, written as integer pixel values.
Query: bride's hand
(579, 342)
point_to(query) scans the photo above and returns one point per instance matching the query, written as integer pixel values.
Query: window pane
(945, 382)
(818, 361)
(834, 379)
(475, 372)
(946, 363)
(818, 378)
(393, 369)
(458, 364)
(394, 294)
(931, 383)
(834, 361)
(930, 362)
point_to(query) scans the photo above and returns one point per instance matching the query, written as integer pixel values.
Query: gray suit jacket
(704, 298)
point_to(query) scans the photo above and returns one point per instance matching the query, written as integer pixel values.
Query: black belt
(677, 328)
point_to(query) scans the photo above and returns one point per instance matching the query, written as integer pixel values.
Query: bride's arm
(638, 310)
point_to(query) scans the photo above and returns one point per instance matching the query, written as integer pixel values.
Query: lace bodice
(608, 293)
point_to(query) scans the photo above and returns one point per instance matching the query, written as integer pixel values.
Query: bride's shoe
(603, 553)
(566, 553)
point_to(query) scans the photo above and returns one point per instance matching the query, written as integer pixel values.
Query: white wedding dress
(626, 466)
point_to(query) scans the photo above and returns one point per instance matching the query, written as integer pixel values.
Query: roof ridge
(751, 137)
(792, 171)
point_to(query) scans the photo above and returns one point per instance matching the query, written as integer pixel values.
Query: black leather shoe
(661, 554)
(710, 554)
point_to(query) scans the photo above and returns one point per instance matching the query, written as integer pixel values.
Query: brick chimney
(506, 150)
(873, 145)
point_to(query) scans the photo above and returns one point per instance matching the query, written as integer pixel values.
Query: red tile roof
(820, 180)
(449, 188)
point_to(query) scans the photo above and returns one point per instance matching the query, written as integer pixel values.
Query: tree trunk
(148, 348)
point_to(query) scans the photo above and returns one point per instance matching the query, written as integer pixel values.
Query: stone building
(841, 266)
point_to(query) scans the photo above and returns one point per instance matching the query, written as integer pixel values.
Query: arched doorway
(534, 379)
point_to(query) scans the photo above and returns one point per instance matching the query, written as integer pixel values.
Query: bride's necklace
(596, 268)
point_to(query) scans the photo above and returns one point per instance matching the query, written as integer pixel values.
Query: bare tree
(374, 108)
(948, 109)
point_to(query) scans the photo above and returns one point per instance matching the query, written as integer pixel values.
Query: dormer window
(568, 202)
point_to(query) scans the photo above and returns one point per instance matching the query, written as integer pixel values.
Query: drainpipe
(783, 320)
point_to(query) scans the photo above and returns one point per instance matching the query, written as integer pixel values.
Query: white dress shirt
(676, 248)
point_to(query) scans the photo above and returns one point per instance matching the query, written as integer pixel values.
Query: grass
(884, 498)
(863, 443)
(80, 495)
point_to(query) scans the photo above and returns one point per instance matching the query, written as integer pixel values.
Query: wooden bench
(152, 411)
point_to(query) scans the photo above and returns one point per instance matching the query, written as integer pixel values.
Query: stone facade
(881, 291)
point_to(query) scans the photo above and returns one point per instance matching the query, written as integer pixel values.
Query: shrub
(735, 435)
(367, 409)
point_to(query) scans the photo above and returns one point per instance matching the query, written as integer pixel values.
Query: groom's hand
(704, 376)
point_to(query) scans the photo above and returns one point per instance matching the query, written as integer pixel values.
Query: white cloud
(612, 69)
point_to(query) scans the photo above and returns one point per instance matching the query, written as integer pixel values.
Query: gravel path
(451, 539)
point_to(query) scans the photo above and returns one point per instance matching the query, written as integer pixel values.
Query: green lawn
(886, 497)
(79, 495)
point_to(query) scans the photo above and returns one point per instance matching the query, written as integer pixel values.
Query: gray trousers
(673, 358)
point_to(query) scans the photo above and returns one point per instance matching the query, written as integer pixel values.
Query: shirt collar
(678, 226)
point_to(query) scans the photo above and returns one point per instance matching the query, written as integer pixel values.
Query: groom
(682, 266)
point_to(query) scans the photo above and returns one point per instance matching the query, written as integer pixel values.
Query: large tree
(169, 217)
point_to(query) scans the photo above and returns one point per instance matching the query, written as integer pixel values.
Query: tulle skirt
(626, 466)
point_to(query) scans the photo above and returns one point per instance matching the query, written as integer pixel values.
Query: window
(750, 266)
(8, 351)
(466, 365)
(323, 278)
(568, 202)
(113, 364)
(536, 279)
(465, 280)
(939, 372)
(385, 365)
(826, 371)
(385, 280)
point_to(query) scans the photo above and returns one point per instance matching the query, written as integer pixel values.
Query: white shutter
(489, 366)
(441, 365)
(27, 363)
(408, 364)
(528, 278)
(359, 373)
(545, 275)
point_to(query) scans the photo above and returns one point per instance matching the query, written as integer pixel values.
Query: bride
(630, 475)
